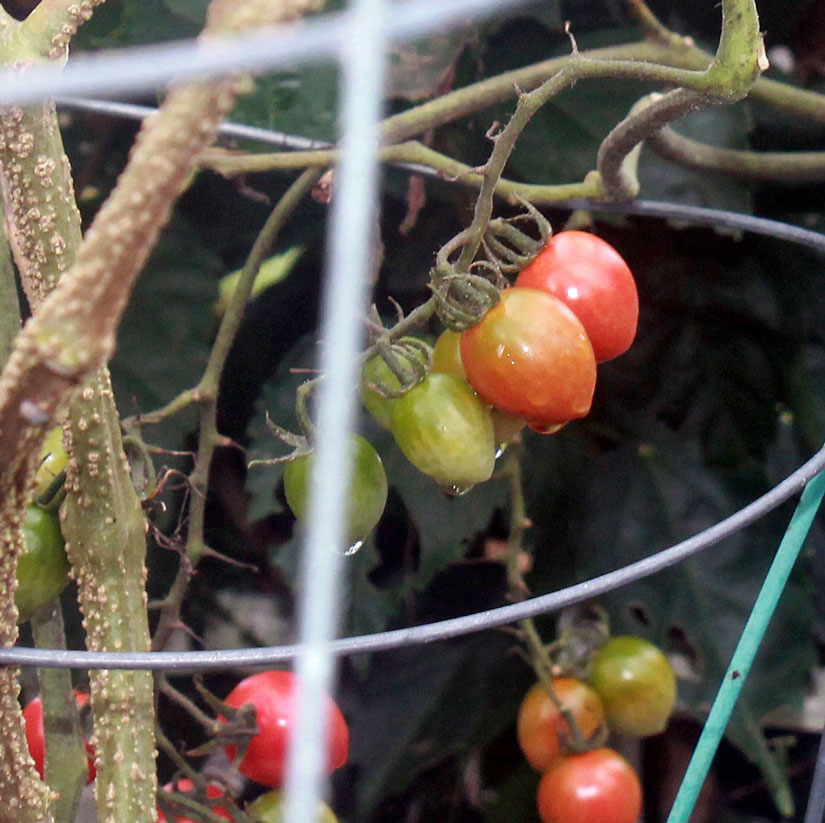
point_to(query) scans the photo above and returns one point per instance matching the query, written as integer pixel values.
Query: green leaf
(167, 331)
(303, 103)
(272, 271)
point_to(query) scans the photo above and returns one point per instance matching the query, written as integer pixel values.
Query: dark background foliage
(718, 400)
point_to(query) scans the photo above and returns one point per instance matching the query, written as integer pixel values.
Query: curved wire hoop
(492, 618)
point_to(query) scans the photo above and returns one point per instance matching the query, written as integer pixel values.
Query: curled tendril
(510, 248)
(409, 359)
(464, 299)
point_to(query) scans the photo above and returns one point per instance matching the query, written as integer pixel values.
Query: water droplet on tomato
(455, 491)
(550, 429)
(351, 550)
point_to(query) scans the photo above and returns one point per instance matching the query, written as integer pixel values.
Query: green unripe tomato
(53, 461)
(447, 360)
(445, 430)
(636, 683)
(42, 570)
(367, 491)
(377, 372)
(269, 808)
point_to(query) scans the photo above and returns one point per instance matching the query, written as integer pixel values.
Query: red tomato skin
(184, 785)
(530, 356)
(540, 725)
(273, 695)
(36, 735)
(592, 278)
(598, 786)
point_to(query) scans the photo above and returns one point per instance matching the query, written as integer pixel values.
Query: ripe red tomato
(530, 357)
(273, 695)
(445, 430)
(636, 683)
(591, 277)
(542, 728)
(185, 785)
(36, 734)
(598, 786)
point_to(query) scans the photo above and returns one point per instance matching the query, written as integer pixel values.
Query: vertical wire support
(348, 261)
(746, 649)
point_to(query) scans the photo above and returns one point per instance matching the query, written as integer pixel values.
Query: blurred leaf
(271, 271)
(192, 10)
(302, 103)
(418, 69)
(167, 331)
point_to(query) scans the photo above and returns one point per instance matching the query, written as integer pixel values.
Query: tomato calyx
(511, 249)
(408, 359)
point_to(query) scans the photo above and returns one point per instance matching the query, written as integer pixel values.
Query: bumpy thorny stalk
(64, 346)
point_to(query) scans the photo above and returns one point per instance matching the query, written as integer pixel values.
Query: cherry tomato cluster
(531, 360)
(631, 690)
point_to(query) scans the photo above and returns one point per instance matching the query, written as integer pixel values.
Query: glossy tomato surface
(367, 490)
(445, 430)
(273, 695)
(541, 727)
(185, 785)
(636, 683)
(599, 786)
(447, 354)
(530, 357)
(42, 569)
(592, 278)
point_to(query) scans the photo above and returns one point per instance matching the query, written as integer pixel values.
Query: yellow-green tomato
(269, 808)
(445, 430)
(447, 354)
(42, 570)
(636, 683)
(378, 373)
(53, 461)
(447, 360)
(367, 491)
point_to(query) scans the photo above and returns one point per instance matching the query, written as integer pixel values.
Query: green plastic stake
(746, 649)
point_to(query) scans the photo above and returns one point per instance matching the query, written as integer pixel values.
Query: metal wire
(144, 69)
(430, 632)
(346, 299)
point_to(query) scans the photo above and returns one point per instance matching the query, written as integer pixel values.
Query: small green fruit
(445, 430)
(367, 491)
(42, 570)
(269, 808)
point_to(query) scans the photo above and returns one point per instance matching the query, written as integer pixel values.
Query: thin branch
(778, 167)
(206, 395)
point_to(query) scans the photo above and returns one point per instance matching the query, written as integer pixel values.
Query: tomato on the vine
(185, 786)
(530, 356)
(367, 490)
(42, 569)
(447, 360)
(269, 808)
(598, 786)
(636, 683)
(273, 694)
(592, 278)
(541, 727)
(36, 734)
(377, 372)
(53, 460)
(445, 430)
